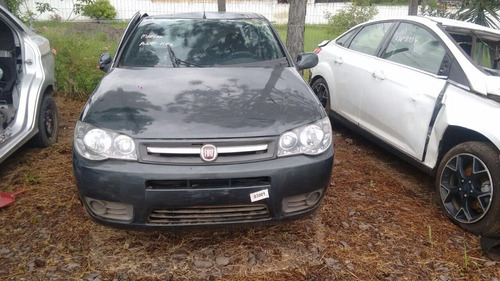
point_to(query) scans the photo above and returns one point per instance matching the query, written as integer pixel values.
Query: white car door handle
(379, 75)
(338, 60)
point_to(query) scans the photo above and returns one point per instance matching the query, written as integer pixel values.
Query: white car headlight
(312, 139)
(98, 144)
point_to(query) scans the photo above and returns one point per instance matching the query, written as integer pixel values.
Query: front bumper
(180, 196)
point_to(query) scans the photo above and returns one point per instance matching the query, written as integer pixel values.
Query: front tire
(320, 88)
(468, 188)
(48, 123)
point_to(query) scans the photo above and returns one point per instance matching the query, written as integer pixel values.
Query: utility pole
(221, 5)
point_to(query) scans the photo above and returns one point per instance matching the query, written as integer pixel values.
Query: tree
(221, 5)
(413, 8)
(296, 27)
(482, 12)
(99, 10)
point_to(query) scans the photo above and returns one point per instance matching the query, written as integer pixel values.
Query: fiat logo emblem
(208, 153)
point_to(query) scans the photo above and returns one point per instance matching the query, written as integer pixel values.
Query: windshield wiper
(176, 61)
(172, 56)
(188, 63)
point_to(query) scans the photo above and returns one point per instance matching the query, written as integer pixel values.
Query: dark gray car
(202, 120)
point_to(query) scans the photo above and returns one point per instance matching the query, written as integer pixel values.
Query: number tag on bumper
(259, 195)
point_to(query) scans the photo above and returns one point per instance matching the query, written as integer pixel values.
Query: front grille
(208, 183)
(188, 152)
(209, 214)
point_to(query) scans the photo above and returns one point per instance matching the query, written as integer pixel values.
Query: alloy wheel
(465, 188)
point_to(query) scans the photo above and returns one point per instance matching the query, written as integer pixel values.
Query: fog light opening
(98, 207)
(110, 210)
(313, 198)
(302, 202)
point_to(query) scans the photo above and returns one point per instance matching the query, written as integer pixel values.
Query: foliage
(31, 179)
(43, 7)
(79, 5)
(482, 12)
(76, 49)
(433, 9)
(353, 14)
(99, 10)
(14, 7)
(390, 2)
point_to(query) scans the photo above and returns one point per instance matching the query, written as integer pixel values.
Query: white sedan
(428, 89)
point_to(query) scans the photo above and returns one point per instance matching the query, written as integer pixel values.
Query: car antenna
(204, 15)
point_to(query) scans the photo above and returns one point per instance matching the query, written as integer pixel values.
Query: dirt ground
(378, 222)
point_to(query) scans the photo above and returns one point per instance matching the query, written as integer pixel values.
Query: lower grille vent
(209, 183)
(209, 214)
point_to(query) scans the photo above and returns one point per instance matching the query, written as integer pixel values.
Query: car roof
(448, 23)
(209, 15)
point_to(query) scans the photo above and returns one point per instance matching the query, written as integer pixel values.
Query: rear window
(200, 43)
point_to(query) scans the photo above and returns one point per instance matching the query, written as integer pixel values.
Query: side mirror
(306, 60)
(105, 62)
(1, 73)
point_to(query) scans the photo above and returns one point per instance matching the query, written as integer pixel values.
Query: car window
(195, 42)
(482, 48)
(342, 40)
(414, 46)
(369, 38)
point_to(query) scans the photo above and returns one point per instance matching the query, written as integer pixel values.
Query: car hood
(178, 103)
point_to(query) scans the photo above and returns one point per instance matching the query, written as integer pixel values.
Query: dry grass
(378, 222)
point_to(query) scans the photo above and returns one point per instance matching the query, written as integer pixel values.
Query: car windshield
(202, 43)
(482, 47)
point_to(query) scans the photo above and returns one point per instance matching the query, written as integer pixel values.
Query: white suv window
(414, 46)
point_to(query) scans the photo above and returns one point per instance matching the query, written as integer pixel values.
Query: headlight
(98, 144)
(312, 139)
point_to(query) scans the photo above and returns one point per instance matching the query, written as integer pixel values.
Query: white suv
(427, 89)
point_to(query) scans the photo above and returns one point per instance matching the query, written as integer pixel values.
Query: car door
(351, 66)
(399, 99)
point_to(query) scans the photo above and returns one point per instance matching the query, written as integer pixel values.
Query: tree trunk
(3, 3)
(413, 8)
(296, 27)
(221, 5)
